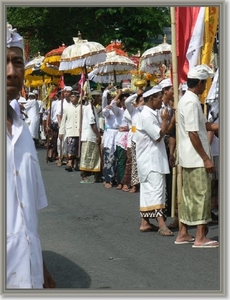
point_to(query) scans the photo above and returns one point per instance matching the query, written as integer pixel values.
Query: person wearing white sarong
(32, 111)
(152, 161)
(110, 114)
(134, 105)
(62, 104)
(25, 193)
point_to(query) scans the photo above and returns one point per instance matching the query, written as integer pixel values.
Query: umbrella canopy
(52, 61)
(108, 77)
(118, 51)
(36, 81)
(116, 47)
(81, 54)
(114, 69)
(152, 58)
(34, 65)
(116, 63)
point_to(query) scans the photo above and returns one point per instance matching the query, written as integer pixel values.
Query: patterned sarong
(90, 157)
(134, 172)
(152, 196)
(195, 207)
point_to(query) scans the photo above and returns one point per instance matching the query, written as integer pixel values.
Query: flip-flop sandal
(165, 231)
(85, 181)
(108, 185)
(210, 244)
(124, 189)
(119, 187)
(191, 241)
(153, 228)
(133, 190)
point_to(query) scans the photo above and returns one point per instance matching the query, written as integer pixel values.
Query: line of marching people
(126, 140)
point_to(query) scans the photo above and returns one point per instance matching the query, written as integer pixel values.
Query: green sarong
(195, 207)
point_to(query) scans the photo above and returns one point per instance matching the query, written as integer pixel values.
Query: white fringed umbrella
(108, 77)
(81, 54)
(114, 69)
(154, 57)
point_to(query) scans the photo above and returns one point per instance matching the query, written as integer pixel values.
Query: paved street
(91, 240)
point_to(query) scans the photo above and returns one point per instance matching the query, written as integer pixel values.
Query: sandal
(165, 231)
(69, 168)
(108, 185)
(119, 187)
(125, 188)
(85, 180)
(133, 189)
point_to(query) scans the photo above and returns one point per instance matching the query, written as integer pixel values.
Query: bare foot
(108, 185)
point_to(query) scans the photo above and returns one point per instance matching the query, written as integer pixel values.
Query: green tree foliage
(48, 27)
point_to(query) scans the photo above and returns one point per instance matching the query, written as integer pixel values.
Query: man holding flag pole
(186, 51)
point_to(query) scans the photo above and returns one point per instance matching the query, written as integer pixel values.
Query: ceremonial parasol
(33, 67)
(81, 54)
(52, 61)
(116, 47)
(108, 77)
(35, 76)
(154, 57)
(114, 64)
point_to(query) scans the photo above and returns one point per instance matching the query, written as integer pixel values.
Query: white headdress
(201, 72)
(13, 39)
(154, 90)
(165, 83)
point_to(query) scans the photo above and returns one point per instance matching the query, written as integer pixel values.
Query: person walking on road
(152, 161)
(195, 159)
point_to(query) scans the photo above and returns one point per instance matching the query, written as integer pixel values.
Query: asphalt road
(91, 242)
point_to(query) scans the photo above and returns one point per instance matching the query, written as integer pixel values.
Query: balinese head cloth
(165, 83)
(13, 39)
(154, 90)
(201, 72)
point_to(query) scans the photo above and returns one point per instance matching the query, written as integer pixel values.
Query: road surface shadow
(65, 273)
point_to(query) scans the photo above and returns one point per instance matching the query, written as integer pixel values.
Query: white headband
(154, 90)
(13, 39)
(201, 72)
(165, 83)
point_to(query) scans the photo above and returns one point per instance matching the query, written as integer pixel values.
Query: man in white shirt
(196, 161)
(70, 128)
(25, 194)
(152, 161)
(32, 110)
(90, 139)
(41, 110)
(62, 104)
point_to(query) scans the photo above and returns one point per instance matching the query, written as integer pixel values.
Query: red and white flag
(61, 82)
(185, 20)
(196, 41)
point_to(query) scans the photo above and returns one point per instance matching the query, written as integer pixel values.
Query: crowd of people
(125, 140)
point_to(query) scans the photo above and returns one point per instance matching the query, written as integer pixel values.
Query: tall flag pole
(176, 176)
(210, 29)
(81, 91)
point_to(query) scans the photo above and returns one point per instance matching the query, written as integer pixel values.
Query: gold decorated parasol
(154, 57)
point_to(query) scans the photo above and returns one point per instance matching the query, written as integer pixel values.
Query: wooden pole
(115, 77)
(177, 182)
